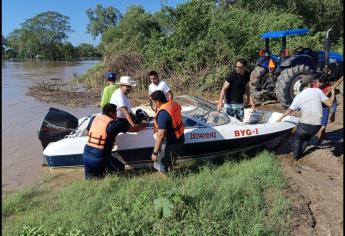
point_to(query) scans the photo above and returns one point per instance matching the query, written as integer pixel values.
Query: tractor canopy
(278, 34)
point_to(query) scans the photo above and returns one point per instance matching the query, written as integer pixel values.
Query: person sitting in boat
(326, 89)
(234, 87)
(168, 132)
(121, 100)
(309, 103)
(157, 84)
(109, 89)
(102, 131)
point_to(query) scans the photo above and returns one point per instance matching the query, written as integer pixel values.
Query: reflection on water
(22, 115)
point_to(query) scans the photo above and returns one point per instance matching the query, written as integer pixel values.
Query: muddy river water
(21, 117)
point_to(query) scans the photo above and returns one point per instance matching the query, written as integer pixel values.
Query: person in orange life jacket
(168, 132)
(326, 89)
(102, 131)
(121, 100)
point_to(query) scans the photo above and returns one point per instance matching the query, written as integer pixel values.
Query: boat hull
(141, 157)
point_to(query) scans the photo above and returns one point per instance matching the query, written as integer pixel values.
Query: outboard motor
(56, 125)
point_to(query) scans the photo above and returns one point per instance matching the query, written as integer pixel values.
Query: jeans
(325, 112)
(235, 110)
(302, 137)
(96, 165)
(166, 157)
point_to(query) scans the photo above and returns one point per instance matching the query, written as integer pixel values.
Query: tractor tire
(288, 83)
(255, 76)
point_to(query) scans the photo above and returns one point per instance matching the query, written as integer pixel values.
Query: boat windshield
(202, 110)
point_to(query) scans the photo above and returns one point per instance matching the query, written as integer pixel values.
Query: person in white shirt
(157, 84)
(309, 101)
(121, 100)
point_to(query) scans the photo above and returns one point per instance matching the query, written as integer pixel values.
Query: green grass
(241, 197)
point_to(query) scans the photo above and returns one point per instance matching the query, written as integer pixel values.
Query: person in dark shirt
(168, 131)
(102, 131)
(234, 87)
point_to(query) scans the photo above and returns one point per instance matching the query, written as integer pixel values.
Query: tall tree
(46, 30)
(100, 19)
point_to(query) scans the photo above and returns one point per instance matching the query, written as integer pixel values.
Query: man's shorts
(235, 110)
(166, 156)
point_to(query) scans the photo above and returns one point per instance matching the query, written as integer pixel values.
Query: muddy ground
(315, 182)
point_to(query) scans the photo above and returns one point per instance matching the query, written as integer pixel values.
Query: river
(22, 116)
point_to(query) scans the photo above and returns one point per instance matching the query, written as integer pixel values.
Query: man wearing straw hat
(121, 100)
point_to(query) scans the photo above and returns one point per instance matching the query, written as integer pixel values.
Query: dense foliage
(100, 19)
(194, 45)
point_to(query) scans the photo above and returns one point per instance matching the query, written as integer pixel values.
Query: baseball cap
(110, 75)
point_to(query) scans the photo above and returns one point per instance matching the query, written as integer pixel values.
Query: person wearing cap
(121, 100)
(109, 89)
(234, 87)
(326, 89)
(309, 102)
(102, 131)
(157, 84)
(168, 132)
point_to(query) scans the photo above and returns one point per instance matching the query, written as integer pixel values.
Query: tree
(134, 29)
(3, 45)
(101, 19)
(86, 50)
(43, 32)
(69, 52)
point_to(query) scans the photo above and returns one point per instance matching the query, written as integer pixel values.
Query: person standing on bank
(326, 89)
(109, 89)
(157, 84)
(168, 132)
(234, 87)
(309, 101)
(102, 131)
(121, 100)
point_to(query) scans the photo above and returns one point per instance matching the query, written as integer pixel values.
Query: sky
(15, 12)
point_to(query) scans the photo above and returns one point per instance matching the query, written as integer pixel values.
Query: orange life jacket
(98, 131)
(174, 110)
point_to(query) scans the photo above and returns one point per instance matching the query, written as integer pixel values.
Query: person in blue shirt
(168, 132)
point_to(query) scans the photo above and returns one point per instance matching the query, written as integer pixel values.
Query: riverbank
(243, 195)
(315, 183)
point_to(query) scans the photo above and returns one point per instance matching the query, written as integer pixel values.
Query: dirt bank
(58, 93)
(315, 182)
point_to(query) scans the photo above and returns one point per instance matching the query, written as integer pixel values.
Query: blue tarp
(278, 34)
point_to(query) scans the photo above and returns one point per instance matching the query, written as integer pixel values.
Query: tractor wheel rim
(296, 88)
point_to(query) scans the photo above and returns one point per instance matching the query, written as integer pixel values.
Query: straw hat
(126, 80)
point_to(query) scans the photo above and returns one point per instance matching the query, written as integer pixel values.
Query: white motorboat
(207, 132)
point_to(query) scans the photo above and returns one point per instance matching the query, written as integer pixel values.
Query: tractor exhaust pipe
(327, 47)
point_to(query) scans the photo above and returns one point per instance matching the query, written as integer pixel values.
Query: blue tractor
(278, 76)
